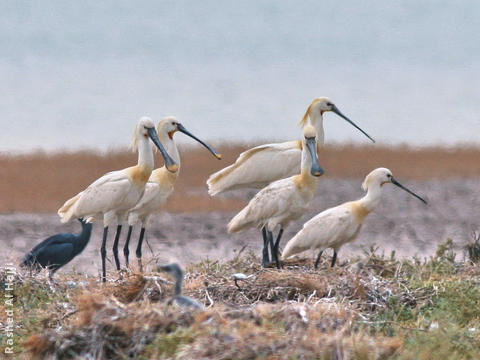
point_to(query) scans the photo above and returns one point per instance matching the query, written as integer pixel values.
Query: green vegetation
(372, 307)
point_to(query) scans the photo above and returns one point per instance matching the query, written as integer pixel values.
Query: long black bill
(169, 163)
(395, 182)
(316, 169)
(336, 111)
(181, 128)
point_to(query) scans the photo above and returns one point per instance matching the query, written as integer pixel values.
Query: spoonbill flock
(261, 165)
(287, 174)
(283, 201)
(160, 184)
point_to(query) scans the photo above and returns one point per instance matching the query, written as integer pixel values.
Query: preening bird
(341, 224)
(110, 197)
(176, 271)
(57, 250)
(160, 184)
(261, 165)
(283, 201)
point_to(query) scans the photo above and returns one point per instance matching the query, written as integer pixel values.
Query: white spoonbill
(282, 201)
(160, 184)
(111, 196)
(341, 224)
(254, 168)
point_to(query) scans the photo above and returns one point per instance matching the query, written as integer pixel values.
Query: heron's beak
(169, 163)
(395, 182)
(316, 169)
(181, 128)
(336, 111)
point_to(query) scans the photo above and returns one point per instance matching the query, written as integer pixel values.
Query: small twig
(311, 296)
(158, 286)
(209, 298)
(69, 314)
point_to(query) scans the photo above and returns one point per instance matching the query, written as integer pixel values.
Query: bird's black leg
(334, 258)
(275, 248)
(318, 259)
(139, 249)
(103, 251)
(126, 251)
(272, 244)
(265, 258)
(115, 246)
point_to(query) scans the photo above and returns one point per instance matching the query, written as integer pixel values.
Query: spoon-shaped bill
(169, 163)
(395, 182)
(181, 128)
(316, 169)
(338, 112)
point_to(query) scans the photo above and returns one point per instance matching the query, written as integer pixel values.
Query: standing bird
(282, 201)
(57, 250)
(160, 184)
(111, 196)
(341, 224)
(176, 271)
(253, 168)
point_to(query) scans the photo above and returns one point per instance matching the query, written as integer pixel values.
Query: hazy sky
(80, 74)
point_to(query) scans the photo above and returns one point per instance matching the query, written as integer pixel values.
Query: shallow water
(79, 74)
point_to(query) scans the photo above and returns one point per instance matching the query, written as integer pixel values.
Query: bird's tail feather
(66, 212)
(240, 222)
(218, 182)
(293, 247)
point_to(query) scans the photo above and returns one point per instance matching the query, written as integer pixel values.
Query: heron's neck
(178, 286)
(316, 120)
(84, 236)
(145, 154)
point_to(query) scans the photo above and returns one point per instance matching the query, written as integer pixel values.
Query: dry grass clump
(302, 331)
(371, 307)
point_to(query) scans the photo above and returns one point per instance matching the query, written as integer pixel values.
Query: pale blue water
(79, 74)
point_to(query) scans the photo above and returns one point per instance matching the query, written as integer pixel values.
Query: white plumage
(283, 201)
(112, 195)
(160, 185)
(253, 168)
(341, 224)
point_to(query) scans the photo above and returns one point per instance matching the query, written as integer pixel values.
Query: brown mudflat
(40, 182)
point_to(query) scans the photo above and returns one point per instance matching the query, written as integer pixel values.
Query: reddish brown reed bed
(41, 182)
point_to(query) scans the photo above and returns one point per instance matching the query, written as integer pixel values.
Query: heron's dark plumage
(58, 250)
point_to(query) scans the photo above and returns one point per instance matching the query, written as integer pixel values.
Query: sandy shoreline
(400, 223)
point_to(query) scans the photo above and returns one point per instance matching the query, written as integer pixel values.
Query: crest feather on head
(304, 120)
(366, 183)
(134, 144)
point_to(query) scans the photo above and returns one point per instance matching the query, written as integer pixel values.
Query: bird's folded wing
(55, 254)
(152, 192)
(272, 201)
(258, 167)
(325, 228)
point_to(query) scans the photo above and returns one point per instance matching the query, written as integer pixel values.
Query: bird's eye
(389, 176)
(329, 104)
